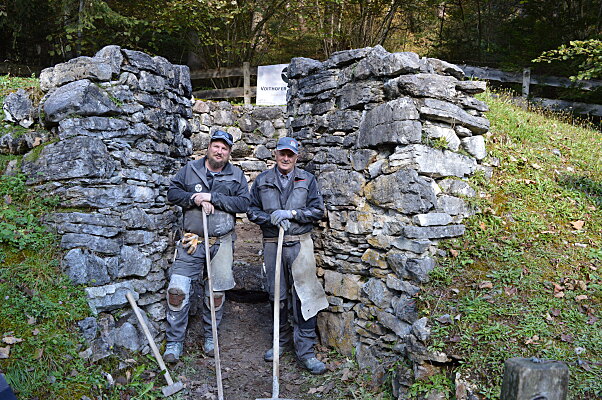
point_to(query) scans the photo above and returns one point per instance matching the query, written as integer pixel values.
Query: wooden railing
(247, 91)
(527, 79)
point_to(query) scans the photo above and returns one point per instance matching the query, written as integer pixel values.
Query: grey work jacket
(305, 198)
(229, 195)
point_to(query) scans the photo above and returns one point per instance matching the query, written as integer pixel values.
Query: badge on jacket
(198, 187)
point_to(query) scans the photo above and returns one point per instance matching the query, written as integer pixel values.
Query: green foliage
(438, 383)
(19, 215)
(525, 278)
(587, 52)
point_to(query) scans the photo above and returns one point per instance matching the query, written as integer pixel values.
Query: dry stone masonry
(392, 138)
(120, 121)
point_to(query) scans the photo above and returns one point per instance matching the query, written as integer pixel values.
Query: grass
(525, 279)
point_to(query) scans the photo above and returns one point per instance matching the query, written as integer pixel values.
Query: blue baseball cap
(221, 135)
(288, 143)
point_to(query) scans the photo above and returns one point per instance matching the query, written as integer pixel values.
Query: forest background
(224, 33)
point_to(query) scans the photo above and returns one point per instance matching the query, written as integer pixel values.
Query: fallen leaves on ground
(485, 285)
(578, 224)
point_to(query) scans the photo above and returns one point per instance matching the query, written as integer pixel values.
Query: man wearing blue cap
(288, 197)
(216, 187)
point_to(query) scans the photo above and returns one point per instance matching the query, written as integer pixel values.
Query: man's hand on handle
(203, 200)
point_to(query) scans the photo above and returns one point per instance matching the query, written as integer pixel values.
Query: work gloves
(281, 217)
(190, 241)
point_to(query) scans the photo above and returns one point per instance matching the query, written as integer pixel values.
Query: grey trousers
(194, 267)
(304, 331)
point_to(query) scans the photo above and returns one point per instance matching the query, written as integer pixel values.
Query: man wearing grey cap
(216, 187)
(288, 197)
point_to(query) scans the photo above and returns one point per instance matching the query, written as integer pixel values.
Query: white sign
(272, 84)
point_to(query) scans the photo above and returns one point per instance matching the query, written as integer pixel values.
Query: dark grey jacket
(229, 195)
(305, 198)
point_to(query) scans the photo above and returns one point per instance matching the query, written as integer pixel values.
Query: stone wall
(392, 138)
(119, 123)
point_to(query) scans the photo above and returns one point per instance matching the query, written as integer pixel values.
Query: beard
(215, 164)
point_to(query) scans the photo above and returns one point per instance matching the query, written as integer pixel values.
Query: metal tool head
(172, 389)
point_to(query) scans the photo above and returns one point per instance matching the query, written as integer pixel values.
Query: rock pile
(392, 138)
(121, 122)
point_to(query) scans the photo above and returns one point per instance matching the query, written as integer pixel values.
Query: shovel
(171, 387)
(218, 368)
(276, 343)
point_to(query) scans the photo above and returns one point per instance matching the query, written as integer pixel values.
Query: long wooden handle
(276, 344)
(149, 337)
(218, 367)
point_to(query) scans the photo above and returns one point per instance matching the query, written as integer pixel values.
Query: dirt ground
(245, 334)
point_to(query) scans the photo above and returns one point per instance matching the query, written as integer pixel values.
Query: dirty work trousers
(192, 266)
(303, 331)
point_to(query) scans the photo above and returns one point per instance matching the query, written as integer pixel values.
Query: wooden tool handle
(149, 337)
(276, 344)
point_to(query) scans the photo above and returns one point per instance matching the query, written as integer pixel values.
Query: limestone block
(445, 68)
(416, 246)
(356, 95)
(433, 162)
(377, 292)
(82, 98)
(422, 85)
(526, 379)
(431, 219)
(475, 146)
(109, 297)
(345, 57)
(18, 108)
(84, 267)
(453, 206)
(342, 285)
(94, 243)
(456, 187)
(253, 166)
(317, 83)
(434, 131)
(472, 87)
(332, 156)
(394, 122)
(268, 113)
(439, 110)
(421, 330)
(469, 102)
(302, 66)
(403, 191)
(374, 258)
(80, 157)
(379, 62)
(88, 68)
(360, 159)
(401, 328)
(151, 83)
(127, 336)
(262, 152)
(401, 285)
(140, 60)
(112, 56)
(341, 120)
(341, 187)
(336, 330)
(433, 232)
(404, 308)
